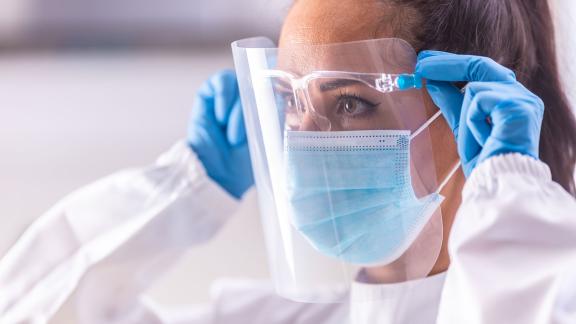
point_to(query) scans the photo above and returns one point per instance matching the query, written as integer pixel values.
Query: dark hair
(518, 34)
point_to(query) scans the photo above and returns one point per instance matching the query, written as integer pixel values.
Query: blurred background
(88, 87)
(125, 23)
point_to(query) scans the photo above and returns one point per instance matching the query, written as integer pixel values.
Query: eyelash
(343, 94)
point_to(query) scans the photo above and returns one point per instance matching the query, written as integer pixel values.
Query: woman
(141, 221)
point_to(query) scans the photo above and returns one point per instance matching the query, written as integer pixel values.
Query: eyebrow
(336, 84)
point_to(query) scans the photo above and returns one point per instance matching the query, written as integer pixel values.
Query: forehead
(314, 32)
(335, 21)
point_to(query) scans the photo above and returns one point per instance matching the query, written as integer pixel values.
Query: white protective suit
(513, 250)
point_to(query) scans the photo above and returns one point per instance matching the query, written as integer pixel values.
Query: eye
(353, 105)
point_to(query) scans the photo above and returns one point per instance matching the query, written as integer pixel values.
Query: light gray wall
(69, 119)
(114, 22)
(565, 18)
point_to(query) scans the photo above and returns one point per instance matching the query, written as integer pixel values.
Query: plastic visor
(345, 88)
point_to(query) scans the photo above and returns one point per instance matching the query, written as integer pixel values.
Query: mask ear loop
(449, 177)
(426, 124)
(455, 168)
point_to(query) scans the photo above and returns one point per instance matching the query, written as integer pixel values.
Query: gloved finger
(449, 99)
(452, 67)
(479, 112)
(507, 90)
(425, 54)
(225, 92)
(502, 102)
(203, 106)
(236, 130)
(202, 115)
(468, 147)
(518, 124)
(208, 141)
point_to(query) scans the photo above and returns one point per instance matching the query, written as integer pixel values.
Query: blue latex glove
(217, 134)
(496, 114)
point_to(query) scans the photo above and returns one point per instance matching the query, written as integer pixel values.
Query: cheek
(443, 142)
(431, 108)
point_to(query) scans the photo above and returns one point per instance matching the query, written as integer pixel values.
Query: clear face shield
(343, 163)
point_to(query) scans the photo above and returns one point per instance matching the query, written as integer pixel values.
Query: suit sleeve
(512, 244)
(109, 241)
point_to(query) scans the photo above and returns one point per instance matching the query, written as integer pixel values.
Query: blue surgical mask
(351, 196)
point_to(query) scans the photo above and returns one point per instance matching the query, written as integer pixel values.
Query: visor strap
(450, 175)
(426, 124)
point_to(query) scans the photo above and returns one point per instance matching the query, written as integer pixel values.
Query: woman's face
(319, 22)
(324, 22)
(334, 21)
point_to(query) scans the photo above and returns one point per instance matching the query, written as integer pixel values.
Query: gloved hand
(495, 115)
(217, 134)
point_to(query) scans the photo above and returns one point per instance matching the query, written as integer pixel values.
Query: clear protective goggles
(307, 95)
(343, 163)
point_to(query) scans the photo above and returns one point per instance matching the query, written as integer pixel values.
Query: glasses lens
(353, 105)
